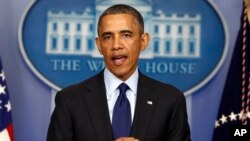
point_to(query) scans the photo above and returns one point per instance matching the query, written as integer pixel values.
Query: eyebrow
(126, 31)
(110, 33)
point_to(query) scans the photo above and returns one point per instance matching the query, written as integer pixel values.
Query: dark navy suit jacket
(81, 113)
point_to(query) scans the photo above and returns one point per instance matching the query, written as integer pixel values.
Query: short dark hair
(123, 9)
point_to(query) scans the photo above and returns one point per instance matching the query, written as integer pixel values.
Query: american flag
(6, 129)
(235, 102)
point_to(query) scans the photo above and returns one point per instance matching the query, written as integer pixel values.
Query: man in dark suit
(88, 111)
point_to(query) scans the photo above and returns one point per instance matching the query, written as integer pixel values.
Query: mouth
(119, 60)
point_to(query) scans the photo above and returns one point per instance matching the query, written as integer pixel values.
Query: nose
(117, 43)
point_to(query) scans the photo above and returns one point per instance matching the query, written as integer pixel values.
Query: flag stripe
(4, 135)
(10, 132)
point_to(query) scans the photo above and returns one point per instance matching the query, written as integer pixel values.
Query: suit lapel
(145, 106)
(98, 109)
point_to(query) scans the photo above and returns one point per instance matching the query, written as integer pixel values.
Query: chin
(120, 73)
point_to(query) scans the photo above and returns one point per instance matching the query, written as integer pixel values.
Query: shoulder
(156, 84)
(84, 86)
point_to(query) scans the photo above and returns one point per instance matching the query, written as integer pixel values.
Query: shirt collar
(112, 82)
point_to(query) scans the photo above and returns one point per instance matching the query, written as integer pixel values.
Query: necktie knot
(123, 87)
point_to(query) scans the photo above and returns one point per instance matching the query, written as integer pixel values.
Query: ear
(98, 44)
(145, 38)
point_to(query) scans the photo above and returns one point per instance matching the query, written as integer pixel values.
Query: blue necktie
(121, 121)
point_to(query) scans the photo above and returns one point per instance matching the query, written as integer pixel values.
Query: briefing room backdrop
(37, 64)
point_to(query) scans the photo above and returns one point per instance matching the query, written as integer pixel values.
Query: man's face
(120, 43)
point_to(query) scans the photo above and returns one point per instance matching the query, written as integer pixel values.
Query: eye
(106, 37)
(126, 35)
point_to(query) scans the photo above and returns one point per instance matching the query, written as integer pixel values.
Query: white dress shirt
(112, 91)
